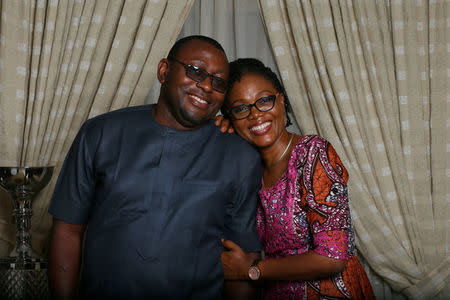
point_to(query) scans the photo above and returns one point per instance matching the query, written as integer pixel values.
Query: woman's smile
(261, 128)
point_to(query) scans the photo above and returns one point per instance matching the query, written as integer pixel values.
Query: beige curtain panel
(372, 77)
(63, 61)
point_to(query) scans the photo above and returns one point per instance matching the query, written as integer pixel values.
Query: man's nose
(206, 84)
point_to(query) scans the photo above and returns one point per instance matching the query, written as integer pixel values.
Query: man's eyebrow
(204, 65)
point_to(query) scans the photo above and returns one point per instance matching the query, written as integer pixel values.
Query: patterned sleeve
(326, 200)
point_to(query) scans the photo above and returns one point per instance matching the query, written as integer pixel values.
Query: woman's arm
(241, 289)
(307, 266)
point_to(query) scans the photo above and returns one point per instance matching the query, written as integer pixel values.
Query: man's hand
(224, 124)
(235, 261)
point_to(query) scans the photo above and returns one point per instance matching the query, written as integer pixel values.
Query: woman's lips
(261, 128)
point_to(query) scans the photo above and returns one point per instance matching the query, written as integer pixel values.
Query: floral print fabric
(307, 209)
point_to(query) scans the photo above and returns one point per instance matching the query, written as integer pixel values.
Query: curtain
(372, 77)
(236, 25)
(63, 61)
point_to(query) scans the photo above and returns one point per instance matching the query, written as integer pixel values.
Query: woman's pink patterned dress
(307, 209)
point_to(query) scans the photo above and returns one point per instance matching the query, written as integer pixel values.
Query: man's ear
(163, 69)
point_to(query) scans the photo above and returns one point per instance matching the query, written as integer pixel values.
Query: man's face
(184, 103)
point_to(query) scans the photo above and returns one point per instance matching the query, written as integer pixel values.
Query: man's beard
(190, 119)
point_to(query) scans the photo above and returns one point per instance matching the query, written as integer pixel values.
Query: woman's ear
(163, 69)
(283, 103)
(281, 98)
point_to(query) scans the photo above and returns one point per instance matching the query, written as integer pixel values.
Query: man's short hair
(180, 43)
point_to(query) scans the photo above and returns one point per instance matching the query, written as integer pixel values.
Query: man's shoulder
(236, 146)
(120, 118)
(124, 113)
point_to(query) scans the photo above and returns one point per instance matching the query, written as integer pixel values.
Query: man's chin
(193, 121)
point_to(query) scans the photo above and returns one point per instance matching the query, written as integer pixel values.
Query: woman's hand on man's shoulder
(224, 124)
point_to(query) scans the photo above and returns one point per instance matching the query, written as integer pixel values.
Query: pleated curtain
(372, 77)
(63, 61)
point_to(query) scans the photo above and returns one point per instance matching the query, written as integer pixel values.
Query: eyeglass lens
(263, 104)
(197, 74)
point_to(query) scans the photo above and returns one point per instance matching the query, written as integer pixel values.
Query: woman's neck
(279, 149)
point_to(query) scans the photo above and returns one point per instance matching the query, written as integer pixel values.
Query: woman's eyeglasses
(263, 104)
(198, 75)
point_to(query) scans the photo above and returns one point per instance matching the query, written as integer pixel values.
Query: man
(155, 188)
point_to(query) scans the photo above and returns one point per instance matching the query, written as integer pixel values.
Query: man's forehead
(198, 46)
(203, 54)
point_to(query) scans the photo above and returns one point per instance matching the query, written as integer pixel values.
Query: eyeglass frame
(213, 78)
(249, 106)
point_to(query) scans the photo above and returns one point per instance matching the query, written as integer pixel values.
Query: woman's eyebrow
(259, 93)
(237, 100)
(264, 91)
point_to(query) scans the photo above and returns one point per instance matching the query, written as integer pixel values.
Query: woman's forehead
(253, 82)
(250, 88)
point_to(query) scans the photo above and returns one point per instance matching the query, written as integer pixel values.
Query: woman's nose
(254, 112)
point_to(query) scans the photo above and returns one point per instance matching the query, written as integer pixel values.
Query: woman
(303, 218)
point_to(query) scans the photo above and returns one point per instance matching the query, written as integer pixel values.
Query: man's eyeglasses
(263, 104)
(198, 75)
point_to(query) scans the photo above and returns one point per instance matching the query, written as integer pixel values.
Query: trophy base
(25, 279)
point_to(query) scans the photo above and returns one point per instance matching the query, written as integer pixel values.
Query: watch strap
(255, 262)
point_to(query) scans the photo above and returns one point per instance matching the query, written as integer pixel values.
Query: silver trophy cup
(23, 275)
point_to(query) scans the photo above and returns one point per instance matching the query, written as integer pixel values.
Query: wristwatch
(254, 273)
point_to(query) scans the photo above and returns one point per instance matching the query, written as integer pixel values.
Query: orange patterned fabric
(355, 280)
(307, 209)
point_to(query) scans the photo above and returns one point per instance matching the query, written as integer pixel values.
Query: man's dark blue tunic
(157, 202)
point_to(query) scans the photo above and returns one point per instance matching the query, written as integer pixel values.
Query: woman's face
(261, 129)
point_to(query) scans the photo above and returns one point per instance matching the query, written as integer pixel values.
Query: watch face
(254, 273)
